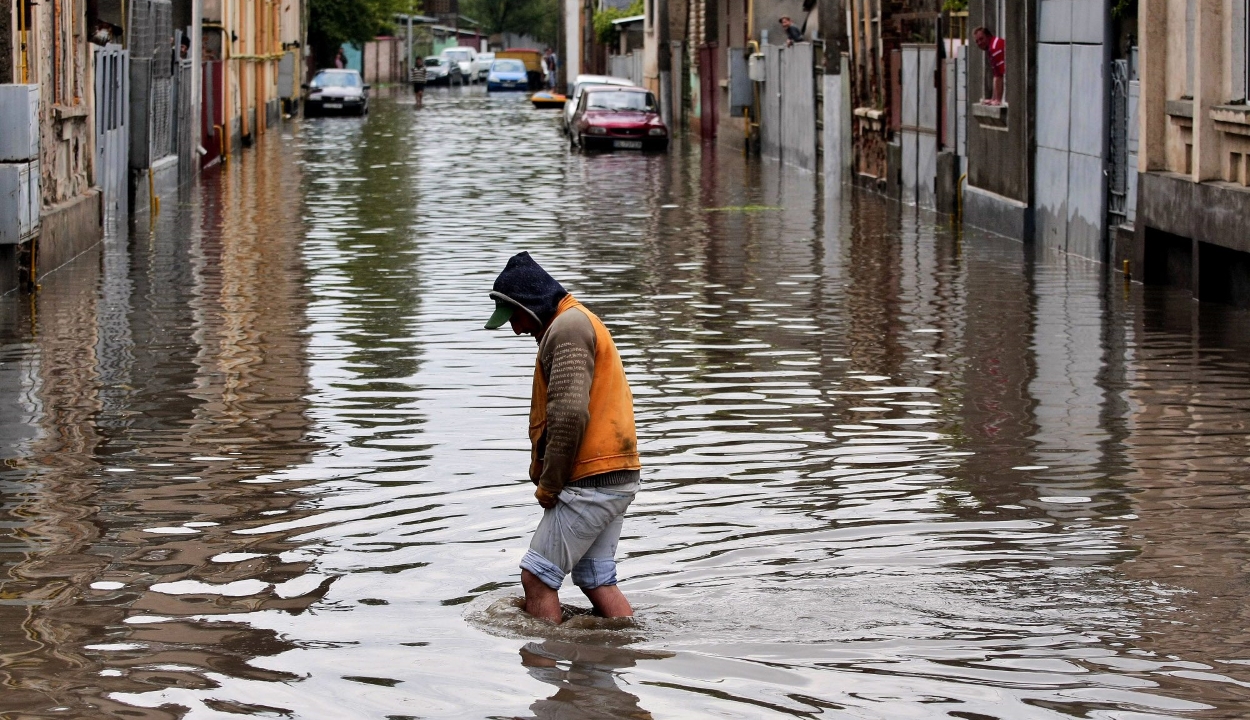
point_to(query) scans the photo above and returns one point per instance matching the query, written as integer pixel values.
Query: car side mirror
(304, 86)
(366, 86)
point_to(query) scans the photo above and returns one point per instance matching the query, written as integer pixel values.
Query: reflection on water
(262, 459)
(585, 678)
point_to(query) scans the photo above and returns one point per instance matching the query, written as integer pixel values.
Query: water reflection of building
(196, 391)
(1185, 465)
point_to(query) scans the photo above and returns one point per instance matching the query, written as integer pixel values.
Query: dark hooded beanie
(524, 282)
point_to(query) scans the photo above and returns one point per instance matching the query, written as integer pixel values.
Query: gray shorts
(579, 535)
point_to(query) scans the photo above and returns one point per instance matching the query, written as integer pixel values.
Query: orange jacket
(608, 441)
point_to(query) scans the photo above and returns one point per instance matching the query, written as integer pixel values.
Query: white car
(481, 65)
(579, 84)
(462, 56)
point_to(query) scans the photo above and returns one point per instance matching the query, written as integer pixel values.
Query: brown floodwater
(260, 459)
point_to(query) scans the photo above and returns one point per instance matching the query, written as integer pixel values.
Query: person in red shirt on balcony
(996, 48)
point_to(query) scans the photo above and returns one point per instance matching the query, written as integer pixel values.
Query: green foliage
(334, 23)
(539, 18)
(1123, 9)
(955, 5)
(605, 31)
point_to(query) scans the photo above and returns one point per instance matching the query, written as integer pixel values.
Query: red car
(610, 117)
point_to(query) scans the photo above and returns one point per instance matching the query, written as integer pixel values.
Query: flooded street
(263, 460)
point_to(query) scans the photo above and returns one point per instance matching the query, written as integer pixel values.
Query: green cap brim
(503, 313)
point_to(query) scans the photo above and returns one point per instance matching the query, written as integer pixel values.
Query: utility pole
(408, 60)
(664, 63)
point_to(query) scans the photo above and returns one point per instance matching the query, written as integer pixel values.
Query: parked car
(533, 60)
(462, 56)
(507, 75)
(613, 117)
(441, 71)
(575, 93)
(336, 91)
(481, 65)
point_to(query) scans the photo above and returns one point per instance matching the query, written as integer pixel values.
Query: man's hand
(545, 498)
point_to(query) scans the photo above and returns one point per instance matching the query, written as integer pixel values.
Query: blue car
(507, 74)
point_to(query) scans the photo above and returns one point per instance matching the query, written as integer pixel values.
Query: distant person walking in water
(417, 78)
(583, 446)
(549, 63)
(996, 48)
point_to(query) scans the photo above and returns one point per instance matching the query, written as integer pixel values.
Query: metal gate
(184, 137)
(1122, 168)
(112, 140)
(918, 124)
(212, 117)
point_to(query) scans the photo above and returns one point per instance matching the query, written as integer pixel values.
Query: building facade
(1193, 197)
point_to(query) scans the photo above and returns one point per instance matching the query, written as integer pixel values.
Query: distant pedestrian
(417, 78)
(583, 445)
(549, 62)
(793, 34)
(996, 48)
(340, 60)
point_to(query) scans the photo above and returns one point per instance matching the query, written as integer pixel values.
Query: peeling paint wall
(62, 67)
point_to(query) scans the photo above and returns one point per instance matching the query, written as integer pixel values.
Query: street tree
(334, 23)
(537, 18)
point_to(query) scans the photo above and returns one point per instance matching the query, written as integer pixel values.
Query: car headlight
(596, 130)
(656, 131)
(492, 78)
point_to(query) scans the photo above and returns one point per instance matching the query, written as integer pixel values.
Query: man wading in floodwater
(584, 450)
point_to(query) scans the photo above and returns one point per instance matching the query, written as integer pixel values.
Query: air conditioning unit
(19, 202)
(19, 123)
(755, 67)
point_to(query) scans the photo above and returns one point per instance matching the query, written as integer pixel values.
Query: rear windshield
(620, 100)
(458, 54)
(336, 80)
(508, 66)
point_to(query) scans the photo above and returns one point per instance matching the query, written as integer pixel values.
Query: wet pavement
(261, 459)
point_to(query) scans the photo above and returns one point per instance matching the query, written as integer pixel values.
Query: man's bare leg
(609, 601)
(540, 601)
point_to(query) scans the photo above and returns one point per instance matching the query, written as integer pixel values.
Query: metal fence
(788, 124)
(627, 66)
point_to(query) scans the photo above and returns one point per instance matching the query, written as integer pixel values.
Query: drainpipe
(22, 9)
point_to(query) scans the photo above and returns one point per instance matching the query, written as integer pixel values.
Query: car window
(508, 66)
(324, 80)
(619, 100)
(433, 62)
(458, 54)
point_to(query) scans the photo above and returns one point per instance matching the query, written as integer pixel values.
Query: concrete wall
(67, 230)
(1000, 157)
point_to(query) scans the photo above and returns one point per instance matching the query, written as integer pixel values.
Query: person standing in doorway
(793, 34)
(583, 444)
(996, 48)
(340, 60)
(417, 78)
